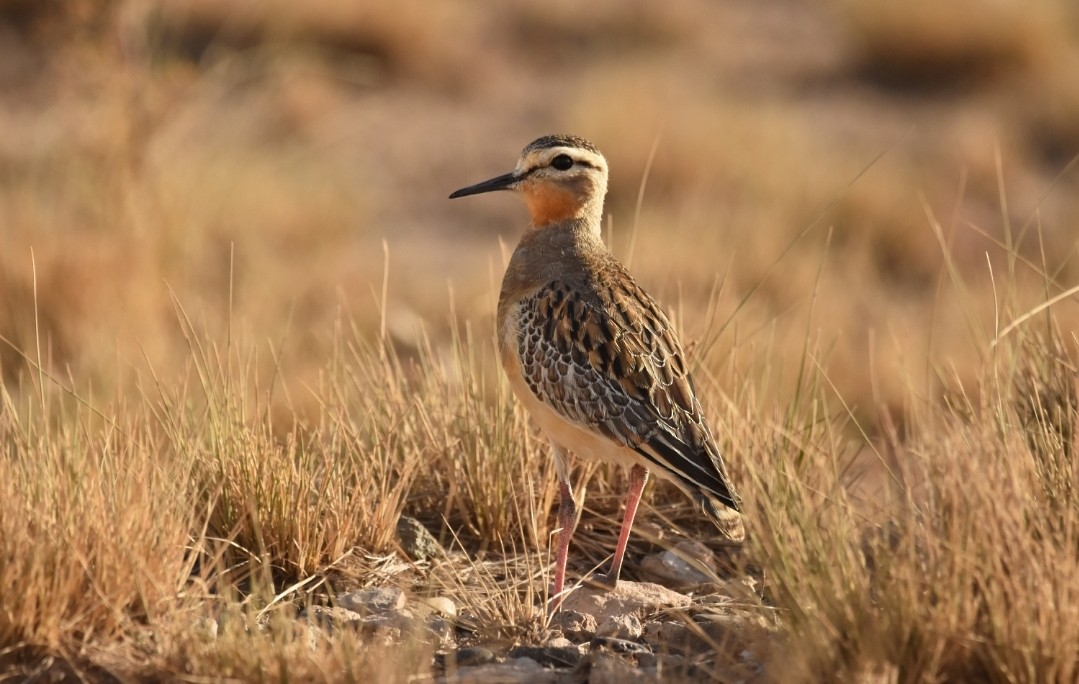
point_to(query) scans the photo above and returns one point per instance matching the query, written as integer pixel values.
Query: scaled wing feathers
(612, 363)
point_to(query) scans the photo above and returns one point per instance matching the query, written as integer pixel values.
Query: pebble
(666, 661)
(559, 642)
(549, 656)
(674, 637)
(620, 627)
(619, 645)
(607, 668)
(578, 626)
(395, 623)
(440, 630)
(416, 541)
(627, 597)
(518, 671)
(373, 600)
(466, 657)
(441, 605)
(681, 566)
(330, 618)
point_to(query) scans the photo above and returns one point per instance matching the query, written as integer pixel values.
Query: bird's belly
(579, 439)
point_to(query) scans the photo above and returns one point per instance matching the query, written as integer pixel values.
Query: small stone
(610, 669)
(466, 657)
(665, 661)
(440, 630)
(441, 605)
(416, 541)
(672, 637)
(330, 618)
(639, 598)
(620, 627)
(619, 645)
(578, 626)
(695, 551)
(373, 600)
(383, 639)
(395, 623)
(688, 564)
(560, 642)
(518, 671)
(549, 656)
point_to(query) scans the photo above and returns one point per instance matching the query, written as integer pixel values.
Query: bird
(591, 356)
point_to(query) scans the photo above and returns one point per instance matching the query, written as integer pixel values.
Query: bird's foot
(602, 581)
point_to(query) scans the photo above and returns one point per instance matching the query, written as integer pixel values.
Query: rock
(549, 656)
(387, 625)
(441, 605)
(577, 626)
(638, 598)
(330, 618)
(697, 553)
(620, 627)
(560, 642)
(610, 669)
(664, 661)
(688, 564)
(672, 637)
(373, 600)
(619, 645)
(416, 541)
(394, 623)
(519, 671)
(440, 630)
(465, 657)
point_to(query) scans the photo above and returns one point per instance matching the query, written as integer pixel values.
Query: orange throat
(550, 205)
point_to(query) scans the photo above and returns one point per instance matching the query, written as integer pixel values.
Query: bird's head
(560, 177)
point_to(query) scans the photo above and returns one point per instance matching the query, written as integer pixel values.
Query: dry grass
(963, 567)
(124, 524)
(219, 392)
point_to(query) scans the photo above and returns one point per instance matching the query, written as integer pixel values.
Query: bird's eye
(562, 162)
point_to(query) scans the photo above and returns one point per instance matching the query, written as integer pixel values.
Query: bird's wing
(613, 364)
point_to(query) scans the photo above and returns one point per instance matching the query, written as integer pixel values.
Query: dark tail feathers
(726, 519)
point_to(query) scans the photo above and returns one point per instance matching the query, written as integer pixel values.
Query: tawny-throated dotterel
(591, 356)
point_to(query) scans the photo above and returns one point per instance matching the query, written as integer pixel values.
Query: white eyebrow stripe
(578, 155)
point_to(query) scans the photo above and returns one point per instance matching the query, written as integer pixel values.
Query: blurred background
(890, 183)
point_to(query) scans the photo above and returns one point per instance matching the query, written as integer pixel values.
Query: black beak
(503, 182)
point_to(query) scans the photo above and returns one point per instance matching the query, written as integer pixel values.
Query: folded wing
(609, 360)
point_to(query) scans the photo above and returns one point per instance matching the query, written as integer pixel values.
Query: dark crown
(560, 141)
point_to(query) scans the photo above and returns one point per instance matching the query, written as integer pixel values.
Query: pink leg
(638, 476)
(567, 520)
